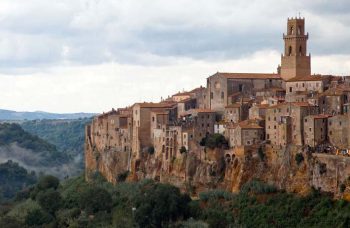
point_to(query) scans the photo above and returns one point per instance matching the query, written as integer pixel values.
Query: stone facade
(315, 129)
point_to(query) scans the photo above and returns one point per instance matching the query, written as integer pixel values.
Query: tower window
(290, 51)
(292, 30)
(300, 50)
(299, 30)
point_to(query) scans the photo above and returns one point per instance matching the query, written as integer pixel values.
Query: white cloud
(92, 55)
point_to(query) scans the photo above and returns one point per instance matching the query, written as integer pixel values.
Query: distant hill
(33, 152)
(13, 115)
(66, 135)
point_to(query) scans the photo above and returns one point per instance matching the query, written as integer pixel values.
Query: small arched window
(290, 51)
(300, 50)
(299, 30)
(291, 30)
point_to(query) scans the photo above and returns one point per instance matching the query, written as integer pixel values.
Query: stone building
(237, 112)
(276, 122)
(315, 129)
(244, 133)
(141, 113)
(304, 86)
(200, 95)
(221, 87)
(258, 111)
(185, 105)
(338, 131)
(295, 62)
(198, 123)
(332, 101)
(181, 96)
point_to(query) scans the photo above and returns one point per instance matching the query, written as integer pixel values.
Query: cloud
(92, 55)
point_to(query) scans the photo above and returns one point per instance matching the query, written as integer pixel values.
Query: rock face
(204, 169)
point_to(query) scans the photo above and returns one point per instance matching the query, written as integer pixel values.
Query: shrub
(256, 186)
(37, 218)
(342, 187)
(150, 150)
(50, 200)
(122, 176)
(216, 141)
(299, 158)
(47, 182)
(94, 199)
(215, 194)
(183, 150)
(158, 204)
(261, 154)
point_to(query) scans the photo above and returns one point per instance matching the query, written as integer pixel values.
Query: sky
(94, 55)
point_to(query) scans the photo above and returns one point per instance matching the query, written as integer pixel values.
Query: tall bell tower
(295, 62)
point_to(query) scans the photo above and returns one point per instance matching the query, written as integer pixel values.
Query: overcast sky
(92, 55)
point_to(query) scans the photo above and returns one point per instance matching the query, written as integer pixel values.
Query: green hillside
(77, 203)
(66, 135)
(14, 178)
(12, 134)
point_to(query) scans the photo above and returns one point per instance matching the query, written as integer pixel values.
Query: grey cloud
(96, 32)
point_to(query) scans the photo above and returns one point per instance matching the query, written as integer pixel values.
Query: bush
(47, 182)
(342, 187)
(50, 200)
(158, 204)
(122, 176)
(150, 150)
(215, 141)
(183, 150)
(261, 154)
(299, 158)
(37, 218)
(258, 187)
(215, 194)
(94, 199)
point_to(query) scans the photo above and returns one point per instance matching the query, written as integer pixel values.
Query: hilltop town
(288, 128)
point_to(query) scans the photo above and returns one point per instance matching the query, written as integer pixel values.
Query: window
(305, 120)
(310, 129)
(211, 95)
(274, 127)
(290, 89)
(290, 51)
(291, 31)
(300, 50)
(152, 118)
(240, 87)
(339, 123)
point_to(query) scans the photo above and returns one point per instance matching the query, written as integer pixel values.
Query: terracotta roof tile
(249, 75)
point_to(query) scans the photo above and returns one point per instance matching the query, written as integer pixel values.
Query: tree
(158, 204)
(215, 141)
(37, 218)
(261, 154)
(94, 199)
(47, 182)
(150, 150)
(299, 158)
(183, 150)
(50, 200)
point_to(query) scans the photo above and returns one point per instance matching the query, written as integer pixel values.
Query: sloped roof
(308, 78)
(248, 75)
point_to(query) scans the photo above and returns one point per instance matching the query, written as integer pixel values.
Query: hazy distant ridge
(13, 115)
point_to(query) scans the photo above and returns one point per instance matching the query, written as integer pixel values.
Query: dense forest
(12, 134)
(77, 203)
(14, 178)
(66, 135)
